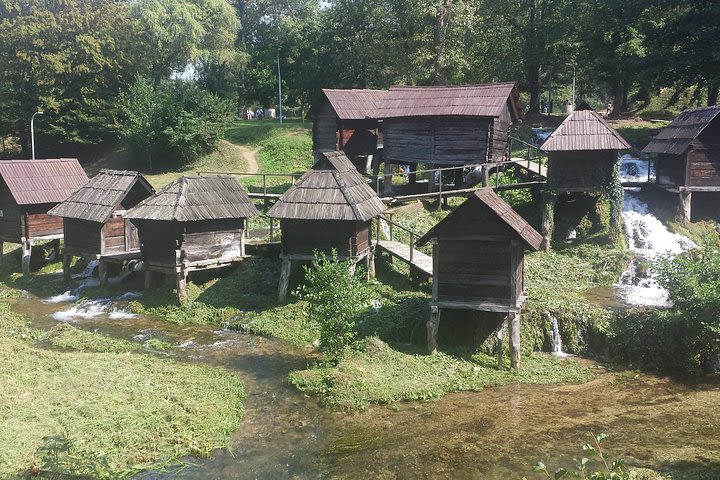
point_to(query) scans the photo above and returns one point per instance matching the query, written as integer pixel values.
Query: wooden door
(132, 241)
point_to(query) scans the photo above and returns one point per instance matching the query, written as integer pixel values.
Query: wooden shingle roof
(676, 137)
(42, 181)
(487, 100)
(524, 231)
(188, 199)
(584, 130)
(101, 196)
(331, 190)
(355, 104)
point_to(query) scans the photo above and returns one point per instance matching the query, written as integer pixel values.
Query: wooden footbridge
(419, 262)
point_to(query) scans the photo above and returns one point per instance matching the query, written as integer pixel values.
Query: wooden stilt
(514, 334)
(67, 260)
(485, 175)
(387, 178)
(56, 247)
(103, 273)
(284, 279)
(370, 259)
(412, 178)
(548, 220)
(148, 279)
(2, 248)
(181, 286)
(499, 344)
(26, 254)
(431, 181)
(432, 329)
(686, 206)
(459, 178)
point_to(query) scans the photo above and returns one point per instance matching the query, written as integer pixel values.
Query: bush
(172, 120)
(335, 298)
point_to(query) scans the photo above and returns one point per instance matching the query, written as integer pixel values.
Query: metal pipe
(32, 132)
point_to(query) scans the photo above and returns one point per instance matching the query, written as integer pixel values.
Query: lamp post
(32, 132)
(279, 84)
(573, 90)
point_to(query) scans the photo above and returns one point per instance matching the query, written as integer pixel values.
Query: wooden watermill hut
(346, 119)
(448, 126)
(30, 188)
(688, 158)
(478, 263)
(194, 223)
(93, 219)
(329, 208)
(583, 155)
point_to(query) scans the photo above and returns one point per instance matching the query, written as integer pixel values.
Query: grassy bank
(79, 404)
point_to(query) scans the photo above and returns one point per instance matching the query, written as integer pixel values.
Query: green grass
(73, 411)
(377, 374)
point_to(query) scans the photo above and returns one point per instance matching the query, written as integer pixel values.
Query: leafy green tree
(69, 59)
(692, 280)
(336, 296)
(171, 121)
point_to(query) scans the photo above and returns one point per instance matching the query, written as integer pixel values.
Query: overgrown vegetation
(89, 408)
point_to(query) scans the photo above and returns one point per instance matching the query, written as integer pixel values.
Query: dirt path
(250, 157)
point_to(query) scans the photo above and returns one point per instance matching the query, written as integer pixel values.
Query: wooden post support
(26, 254)
(432, 329)
(431, 181)
(499, 344)
(67, 260)
(686, 206)
(459, 178)
(371, 263)
(181, 285)
(513, 320)
(387, 178)
(2, 248)
(412, 178)
(548, 220)
(148, 279)
(56, 247)
(103, 273)
(485, 175)
(284, 279)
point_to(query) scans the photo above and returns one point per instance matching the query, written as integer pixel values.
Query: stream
(498, 433)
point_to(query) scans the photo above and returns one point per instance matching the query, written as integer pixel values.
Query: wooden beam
(284, 279)
(67, 260)
(432, 329)
(26, 246)
(513, 320)
(436, 269)
(103, 273)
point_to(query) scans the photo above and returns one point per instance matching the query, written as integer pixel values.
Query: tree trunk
(442, 19)
(534, 87)
(713, 91)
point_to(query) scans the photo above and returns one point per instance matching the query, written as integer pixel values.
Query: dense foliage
(172, 120)
(335, 296)
(72, 59)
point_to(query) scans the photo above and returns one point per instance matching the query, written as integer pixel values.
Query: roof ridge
(346, 193)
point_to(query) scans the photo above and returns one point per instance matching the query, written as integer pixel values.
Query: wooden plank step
(421, 261)
(534, 167)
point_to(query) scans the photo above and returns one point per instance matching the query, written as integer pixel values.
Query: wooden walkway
(531, 166)
(420, 261)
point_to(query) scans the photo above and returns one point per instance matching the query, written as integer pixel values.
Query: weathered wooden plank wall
(581, 169)
(42, 224)
(10, 226)
(301, 237)
(82, 238)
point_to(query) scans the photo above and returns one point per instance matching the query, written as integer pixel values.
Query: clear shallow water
(498, 433)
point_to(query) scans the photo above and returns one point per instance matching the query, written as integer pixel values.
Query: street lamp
(279, 84)
(573, 91)
(32, 132)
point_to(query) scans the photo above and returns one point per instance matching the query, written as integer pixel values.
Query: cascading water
(647, 238)
(556, 346)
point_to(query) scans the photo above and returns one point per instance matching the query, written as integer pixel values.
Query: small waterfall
(648, 238)
(556, 346)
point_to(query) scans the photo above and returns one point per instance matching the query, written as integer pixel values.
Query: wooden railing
(388, 218)
(291, 176)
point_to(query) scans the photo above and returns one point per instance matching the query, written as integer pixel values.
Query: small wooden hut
(346, 120)
(448, 125)
(478, 262)
(583, 156)
(194, 223)
(329, 208)
(93, 221)
(30, 188)
(688, 157)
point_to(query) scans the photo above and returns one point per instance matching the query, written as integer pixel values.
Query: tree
(69, 60)
(171, 121)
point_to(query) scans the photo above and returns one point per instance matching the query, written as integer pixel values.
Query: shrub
(171, 120)
(335, 297)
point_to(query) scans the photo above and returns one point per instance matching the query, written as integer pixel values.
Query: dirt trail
(250, 157)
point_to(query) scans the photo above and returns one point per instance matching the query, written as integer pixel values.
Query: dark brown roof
(331, 190)
(188, 199)
(101, 196)
(42, 181)
(676, 137)
(492, 200)
(466, 100)
(355, 104)
(584, 130)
